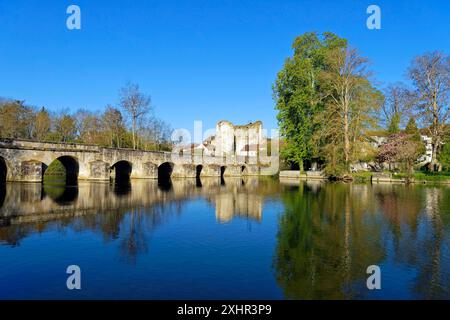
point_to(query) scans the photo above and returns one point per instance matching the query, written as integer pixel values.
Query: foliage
(108, 128)
(16, 120)
(55, 174)
(298, 96)
(403, 148)
(444, 156)
(349, 112)
(394, 125)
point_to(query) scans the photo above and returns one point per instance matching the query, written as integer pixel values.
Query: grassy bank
(426, 176)
(417, 176)
(363, 176)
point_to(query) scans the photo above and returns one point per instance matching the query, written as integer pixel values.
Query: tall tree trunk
(346, 138)
(134, 132)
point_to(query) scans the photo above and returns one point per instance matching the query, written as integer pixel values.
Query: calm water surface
(232, 239)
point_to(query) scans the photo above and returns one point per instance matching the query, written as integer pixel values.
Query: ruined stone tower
(238, 140)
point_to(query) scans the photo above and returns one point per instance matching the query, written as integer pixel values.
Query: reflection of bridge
(32, 205)
(22, 160)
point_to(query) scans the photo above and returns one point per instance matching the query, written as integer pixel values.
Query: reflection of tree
(134, 236)
(326, 241)
(327, 238)
(401, 206)
(433, 262)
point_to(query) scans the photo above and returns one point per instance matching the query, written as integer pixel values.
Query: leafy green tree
(444, 155)
(394, 125)
(298, 95)
(411, 127)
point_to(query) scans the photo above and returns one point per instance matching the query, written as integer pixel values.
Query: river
(251, 238)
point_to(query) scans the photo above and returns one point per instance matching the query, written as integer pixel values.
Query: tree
(405, 148)
(42, 124)
(394, 124)
(298, 96)
(16, 120)
(90, 128)
(136, 104)
(114, 126)
(349, 110)
(65, 127)
(411, 127)
(430, 75)
(396, 106)
(444, 155)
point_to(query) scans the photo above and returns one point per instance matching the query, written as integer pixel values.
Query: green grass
(55, 174)
(426, 176)
(363, 176)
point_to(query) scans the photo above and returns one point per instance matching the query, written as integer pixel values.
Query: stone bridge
(26, 161)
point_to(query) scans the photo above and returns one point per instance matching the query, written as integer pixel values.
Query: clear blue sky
(200, 60)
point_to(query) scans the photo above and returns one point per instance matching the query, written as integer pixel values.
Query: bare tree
(113, 124)
(430, 74)
(136, 104)
(351, 100)
(397, 104)
(65, 127)
(43, 124)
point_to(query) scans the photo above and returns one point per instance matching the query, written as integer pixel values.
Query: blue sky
(199, 60)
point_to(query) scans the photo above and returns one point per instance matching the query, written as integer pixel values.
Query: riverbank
(374, 177)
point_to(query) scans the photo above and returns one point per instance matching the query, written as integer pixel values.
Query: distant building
(238, 140)
(428, 150)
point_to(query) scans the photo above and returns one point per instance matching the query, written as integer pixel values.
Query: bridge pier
(232, 171)
(210, 170)
(99, 170)
(150, 170)
(250, 170)
(31, 171)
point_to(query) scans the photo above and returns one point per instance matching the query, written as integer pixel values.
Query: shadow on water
(62, 195)
(165, 185)
(122, 188)
(2, 194)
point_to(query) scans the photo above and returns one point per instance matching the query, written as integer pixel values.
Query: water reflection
(132, 209)
(330, 233)
(318, 238)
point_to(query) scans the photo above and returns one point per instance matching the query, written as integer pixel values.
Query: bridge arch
(121, 171)
(3, 171)
(63, 170)
(165, 170)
